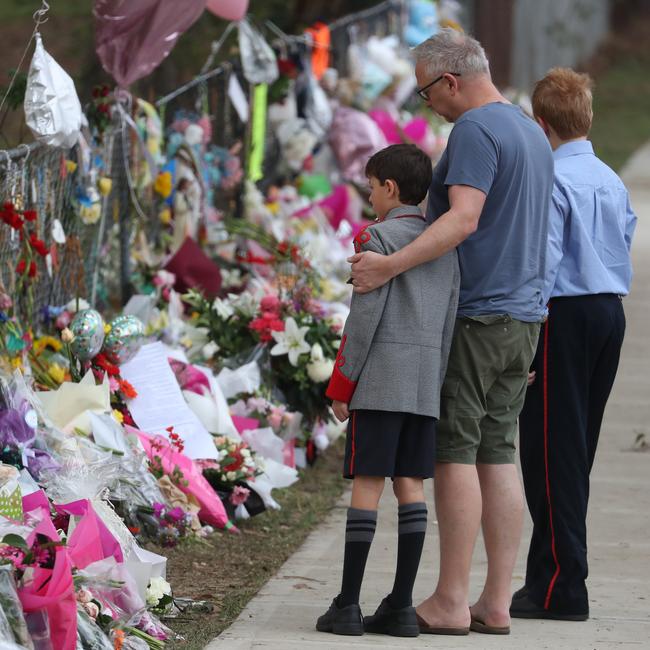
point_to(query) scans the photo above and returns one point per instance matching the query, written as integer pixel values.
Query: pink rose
(270, 303)
(92, 610)
(239, 495)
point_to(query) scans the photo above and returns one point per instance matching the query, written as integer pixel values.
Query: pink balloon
(228, 9)
(133, 37)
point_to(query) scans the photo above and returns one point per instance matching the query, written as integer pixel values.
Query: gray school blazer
(396, 341)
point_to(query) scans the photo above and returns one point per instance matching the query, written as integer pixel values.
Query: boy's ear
(392, 188)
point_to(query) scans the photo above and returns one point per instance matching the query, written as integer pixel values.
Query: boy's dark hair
(405, 164)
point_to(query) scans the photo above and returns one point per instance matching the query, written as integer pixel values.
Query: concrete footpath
(283, 614)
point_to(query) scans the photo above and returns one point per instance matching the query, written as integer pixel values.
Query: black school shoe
(341, 620)
(520, 593)
(524, 607)
(396, 622)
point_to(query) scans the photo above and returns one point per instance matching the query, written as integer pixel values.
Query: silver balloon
(124, 340)
(88, 329)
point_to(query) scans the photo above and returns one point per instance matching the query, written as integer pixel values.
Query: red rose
(21, 266)
(38, 245)
(32, 270)
(30, 215)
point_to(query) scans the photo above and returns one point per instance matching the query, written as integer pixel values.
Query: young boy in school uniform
(386, 380)
(588, 270)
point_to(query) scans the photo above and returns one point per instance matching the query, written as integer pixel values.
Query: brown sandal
(479, 626)
(425, 628)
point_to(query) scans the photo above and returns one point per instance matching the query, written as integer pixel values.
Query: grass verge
(229, 570)
(622, 93)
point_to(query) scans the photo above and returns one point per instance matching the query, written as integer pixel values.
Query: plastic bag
(258, 60)
(52, 108)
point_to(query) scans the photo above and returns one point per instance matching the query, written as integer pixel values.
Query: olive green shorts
(484, 389)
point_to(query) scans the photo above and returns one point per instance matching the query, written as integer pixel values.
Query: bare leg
(503, 514)
(408, 490)
(458, 508)
(366, 492)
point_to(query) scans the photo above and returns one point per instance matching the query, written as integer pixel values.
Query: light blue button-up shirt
(590, 227)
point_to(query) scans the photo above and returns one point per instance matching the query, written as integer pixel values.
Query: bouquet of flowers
(174, 523)
(226, 322)
(159, 595)
(236, 463)
(302, 358)
(284, 423)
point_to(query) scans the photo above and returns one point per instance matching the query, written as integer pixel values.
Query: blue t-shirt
(497, 149)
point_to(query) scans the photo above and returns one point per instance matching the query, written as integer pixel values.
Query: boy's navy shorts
(388, 443)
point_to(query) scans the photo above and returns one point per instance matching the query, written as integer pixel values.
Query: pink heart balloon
(133, 37)
(228, 9)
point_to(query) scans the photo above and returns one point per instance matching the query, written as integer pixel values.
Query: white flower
(245, 302)
(158, 587)
(317, 352)
(230, 278)
(291, 341)
(231, 476)
(210, 350)
(223, 308)
(72, 305)
(245, 453)
(320, 371)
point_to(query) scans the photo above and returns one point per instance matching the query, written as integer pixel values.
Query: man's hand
(531, 377)
(369, 271)
(340, 410)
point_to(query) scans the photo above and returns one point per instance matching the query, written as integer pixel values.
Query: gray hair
(452, 51)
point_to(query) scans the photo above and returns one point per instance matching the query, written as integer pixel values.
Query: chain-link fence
(94, 211)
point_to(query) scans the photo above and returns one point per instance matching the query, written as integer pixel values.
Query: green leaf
(16, 541)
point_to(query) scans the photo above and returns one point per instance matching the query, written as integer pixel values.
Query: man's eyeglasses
(423, 91)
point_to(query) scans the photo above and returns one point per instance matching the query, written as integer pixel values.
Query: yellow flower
(16, 362)
(165, 216)
(163, 184)
(56, 372)
(273, 207)
(118, 416)
(105, 185)
(107, 328)
(71, 166)
(47, 341)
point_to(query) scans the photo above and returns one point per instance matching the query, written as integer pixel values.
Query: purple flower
(175, 514)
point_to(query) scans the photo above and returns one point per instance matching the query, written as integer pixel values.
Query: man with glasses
(490, 198)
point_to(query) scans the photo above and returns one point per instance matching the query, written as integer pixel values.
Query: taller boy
(588, 268)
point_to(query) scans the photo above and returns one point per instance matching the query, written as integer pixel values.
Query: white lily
(223, 308)
(291, 341)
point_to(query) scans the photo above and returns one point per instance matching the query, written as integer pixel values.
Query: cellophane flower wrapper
(114, 587)
(212, 511)
(91, 540)
(48, 594)
(90, 635)
(20, 438)
(12, 625)
(77, 477)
